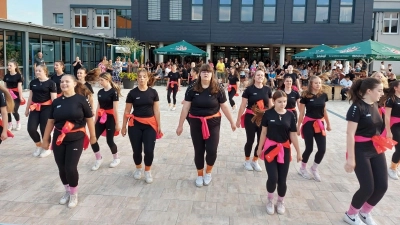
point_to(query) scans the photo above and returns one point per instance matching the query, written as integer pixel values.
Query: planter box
(128, 84)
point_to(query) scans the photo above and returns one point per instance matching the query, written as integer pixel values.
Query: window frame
(341, 5)
(323, 6)
(55, 18)
(300, 6)
(390, 22)
(127, 16)
(80, 17)
(269, 6)
(180, 10)
(220, 5)
(197, 5)
(252, 12)
(155, 3)
(102, 17)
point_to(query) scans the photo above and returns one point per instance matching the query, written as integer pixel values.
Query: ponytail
(107, 76)
(360, 87)
(116, 87)
(392, 92)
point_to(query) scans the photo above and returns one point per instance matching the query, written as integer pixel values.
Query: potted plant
(128, 79)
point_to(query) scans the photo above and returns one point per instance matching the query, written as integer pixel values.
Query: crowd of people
(273, 116)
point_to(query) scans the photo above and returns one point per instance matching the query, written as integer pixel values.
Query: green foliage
(129, 76)
(130, 43)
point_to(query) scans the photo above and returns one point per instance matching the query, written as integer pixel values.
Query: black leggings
(15, 113)
(208, 146)
(231, 94)
(109, 127)
(277, 173)
(371, 172)
(1, 131)
(396, 136)
(174, 91)
(309, 135)
(67, 157)
(38, 118)
(251, 130)
(142, 135)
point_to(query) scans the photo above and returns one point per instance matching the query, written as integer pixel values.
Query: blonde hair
(308, 92)
(383, 79)
(45, 69)
(253, 81)
(107, 76)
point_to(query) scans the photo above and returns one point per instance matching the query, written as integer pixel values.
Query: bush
(129, 76)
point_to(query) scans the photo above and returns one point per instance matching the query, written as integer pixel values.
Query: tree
(130, 45)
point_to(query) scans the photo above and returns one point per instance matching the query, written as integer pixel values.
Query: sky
(25, 11)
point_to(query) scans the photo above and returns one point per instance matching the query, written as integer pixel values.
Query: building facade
(254, 29)
(99, 17)
(3, 9)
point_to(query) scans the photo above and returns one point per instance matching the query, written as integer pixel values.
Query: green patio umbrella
(310, 53)
(366, 50)
(181, 48)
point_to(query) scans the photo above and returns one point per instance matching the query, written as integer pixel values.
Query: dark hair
(196, 69)
(392, 92)
(16, 67)
(360, 87)
(92, 75)
(107, 76)
(80, 88)
(61, 63)
(214, 86)
(278, 94)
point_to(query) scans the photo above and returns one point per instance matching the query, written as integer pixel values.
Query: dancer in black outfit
(173, 85)
(56, 77)
(70, 137)
(13, 80)
(293, 97)
(6, 106)
(365, 150)
(233, 86)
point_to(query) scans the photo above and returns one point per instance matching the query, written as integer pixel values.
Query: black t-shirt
(352, 76)
(292, 99)
(184, 73)
(57, 80)
(285, 66)
(173, 76)
(315, 106)
(3, 102)
(89, 86)
(368, 119)
(12, 81)
(204, 103)
(391, 80)
(142, 101)
(39, 61)
(41, 90)
(76, 67)
(227, 65)
(279, 126)
(395, 105)
(293, 76)
(107, 98)
(233, 79)
(278, 71)
(254, 94)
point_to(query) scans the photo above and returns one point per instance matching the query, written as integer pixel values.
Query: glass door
(88, 55)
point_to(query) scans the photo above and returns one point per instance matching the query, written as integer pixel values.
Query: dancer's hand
(238, 123)
(299, 157)
(93, 139)
(117, 128)
(298, 131)
(123, 131)
(389, 134)
(45, 144)
(233, 126)
(27, 112)
(259, 150)
(4, 135)
(179, 130)
(350, 165)
(328, 127)
(179, 88)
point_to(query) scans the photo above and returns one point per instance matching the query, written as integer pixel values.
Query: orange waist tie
(230, 86)
(278, 151)
(380, 143)
(172, 83)
(9, 134)
(204, 126)
(317, 125)
(23, 101)
(67, 128)
(102, 114)
(148, 120)
(38, 106)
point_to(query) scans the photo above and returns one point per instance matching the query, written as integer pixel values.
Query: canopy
(181, 48)
(368, 50)
(310, 53)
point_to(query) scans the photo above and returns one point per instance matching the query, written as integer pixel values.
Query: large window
(154, 10)
(346, 11)
(197, 9)
(175, 9)
(124, 20)
(391, 23)
(322, 15)
(269, 11)
(80, 18)
(224, 10)
(102, 18)
(246, 14)
(299, 11)
(58, 18)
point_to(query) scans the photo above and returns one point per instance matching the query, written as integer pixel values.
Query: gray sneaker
(270, 207)
(304, 173)
(73, 201)
(393, 174)
(64, 199)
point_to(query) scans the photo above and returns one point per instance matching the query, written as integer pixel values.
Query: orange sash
(230, 86)
(277, 151)
(317, 125)
(172, 83)
(23, 101)
(38, 106)
(204, 126)
(380, 143)
(9, 134)
(102, 114)
(149, 121)
(67, 128)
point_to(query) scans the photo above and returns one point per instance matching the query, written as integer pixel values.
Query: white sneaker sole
(247, 168)
(48, 152)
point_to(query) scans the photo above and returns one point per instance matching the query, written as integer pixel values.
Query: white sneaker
(10, 127)
(316, 175)
(173, 108)
(304, 173)
(45, 153)
(137, 174)
(247, 165)
(352, 219)
(170, 107)
(148, 178)
(37, 151)
(115, 163)
(256, 166)
(393, 174)
(97, 164)
(18, 127)
(199, 181)
(73, 201)
(280, 207)
(270, 208)
(207, 179)
(64, 199)
(367, 218)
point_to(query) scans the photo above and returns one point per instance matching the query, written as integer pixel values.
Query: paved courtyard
(30, 187)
